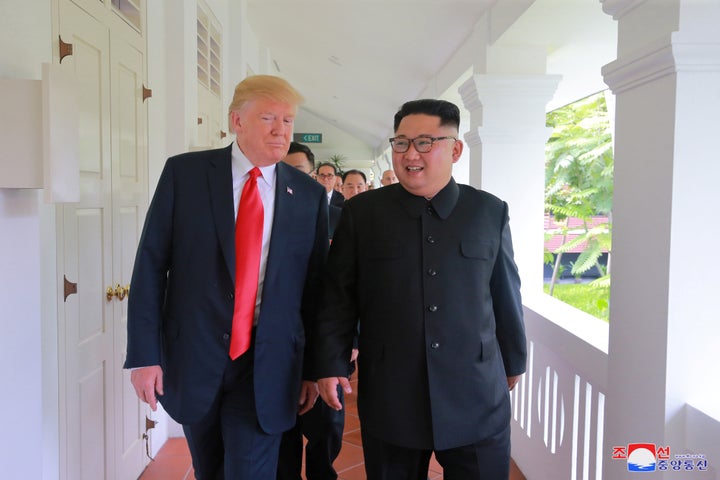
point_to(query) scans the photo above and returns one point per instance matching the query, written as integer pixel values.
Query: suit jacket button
(226, 336)
(432, 308)
(435, 345)
(432, 272)
(430, 239)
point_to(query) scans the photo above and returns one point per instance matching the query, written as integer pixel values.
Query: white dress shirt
(241, 167)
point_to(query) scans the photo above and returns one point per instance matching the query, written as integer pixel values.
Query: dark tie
(248, 244)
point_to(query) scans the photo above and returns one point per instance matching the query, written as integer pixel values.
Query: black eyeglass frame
(412, 140)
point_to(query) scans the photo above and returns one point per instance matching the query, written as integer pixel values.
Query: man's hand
(308, 396)
(512, 381)
(328, 390)
(147, 381)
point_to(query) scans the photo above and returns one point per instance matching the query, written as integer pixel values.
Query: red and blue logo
(649, 457)
(641, 457)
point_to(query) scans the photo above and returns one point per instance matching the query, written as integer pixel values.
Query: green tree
(338, 160)
(579, 181)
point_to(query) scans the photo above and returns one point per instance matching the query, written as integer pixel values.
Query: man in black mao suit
(427, 267)
(180, 313)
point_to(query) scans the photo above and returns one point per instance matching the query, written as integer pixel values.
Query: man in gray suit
(427, 267)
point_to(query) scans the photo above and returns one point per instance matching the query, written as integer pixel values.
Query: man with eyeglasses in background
(326, 175)
(426, 267)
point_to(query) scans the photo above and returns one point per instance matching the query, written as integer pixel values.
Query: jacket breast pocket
(480, 250)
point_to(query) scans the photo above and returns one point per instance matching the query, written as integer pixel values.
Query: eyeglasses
(421, 144)
(325, 175)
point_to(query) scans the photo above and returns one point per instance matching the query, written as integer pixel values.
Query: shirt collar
(241, 165)
(442, 203)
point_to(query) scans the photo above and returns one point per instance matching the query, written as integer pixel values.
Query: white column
(507, 155)
(664, 322)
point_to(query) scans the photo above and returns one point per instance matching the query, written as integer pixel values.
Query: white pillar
(507, 155)
(664, 322)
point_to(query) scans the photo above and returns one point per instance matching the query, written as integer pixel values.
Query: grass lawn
(591, 300)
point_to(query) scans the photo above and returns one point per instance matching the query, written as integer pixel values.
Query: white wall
(25, 35)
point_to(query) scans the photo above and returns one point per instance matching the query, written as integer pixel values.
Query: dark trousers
(323, 428)
(228, 443)
(485, 460)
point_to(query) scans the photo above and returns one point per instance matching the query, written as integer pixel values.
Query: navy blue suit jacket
(181, 306)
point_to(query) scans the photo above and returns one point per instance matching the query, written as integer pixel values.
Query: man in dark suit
(322, 426)
(353, 182)
(327, 174)
(427, 267)
(233, 403)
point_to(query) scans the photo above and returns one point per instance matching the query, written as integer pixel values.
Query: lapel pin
(289, 190)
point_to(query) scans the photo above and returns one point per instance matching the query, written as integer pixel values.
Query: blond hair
(263, 86)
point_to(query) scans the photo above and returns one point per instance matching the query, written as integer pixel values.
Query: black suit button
(231, 295)
(226, 336)
(435, 345)
(432, 272)
(430, 239)
(430, 210)
(432, 308)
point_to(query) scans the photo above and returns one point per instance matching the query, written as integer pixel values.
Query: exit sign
(307, 137)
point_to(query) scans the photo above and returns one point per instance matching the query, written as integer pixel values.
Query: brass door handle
(119, 291)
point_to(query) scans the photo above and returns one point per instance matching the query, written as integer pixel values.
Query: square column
(663, 311)
(506, 143)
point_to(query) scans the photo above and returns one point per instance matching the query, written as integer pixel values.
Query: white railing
(558, 406)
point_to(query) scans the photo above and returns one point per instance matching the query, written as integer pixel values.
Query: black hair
(296, 147)
(328, 164)
(356, 172)
(448, 113)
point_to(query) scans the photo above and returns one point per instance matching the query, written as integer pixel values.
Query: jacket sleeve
(337, 323)
(507, 304)
(149, 278)
(312, 292)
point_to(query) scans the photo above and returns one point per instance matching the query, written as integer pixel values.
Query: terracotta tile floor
(173, 460)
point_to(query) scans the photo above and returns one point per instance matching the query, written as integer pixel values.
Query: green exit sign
(307, 137)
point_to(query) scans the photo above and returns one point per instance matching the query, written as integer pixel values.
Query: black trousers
(228, 444)
(485, 460)
(323, 428)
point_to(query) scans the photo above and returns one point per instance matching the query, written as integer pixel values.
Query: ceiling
(357, 61)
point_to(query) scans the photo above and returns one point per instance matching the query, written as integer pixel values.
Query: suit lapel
(221, 198)
(282, 220)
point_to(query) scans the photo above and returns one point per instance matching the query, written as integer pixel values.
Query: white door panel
(102, 422)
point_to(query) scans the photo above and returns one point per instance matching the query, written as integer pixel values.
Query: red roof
(575, 228)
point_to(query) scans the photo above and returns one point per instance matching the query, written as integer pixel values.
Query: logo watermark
(649, 457)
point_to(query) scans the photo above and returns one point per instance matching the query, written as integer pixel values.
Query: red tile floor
(173, 460)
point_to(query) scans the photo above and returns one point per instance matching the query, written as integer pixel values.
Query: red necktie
(248, 244)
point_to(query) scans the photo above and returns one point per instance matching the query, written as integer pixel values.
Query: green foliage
(585, 297)
(338, 160)
(579, 159)
(579, 178)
